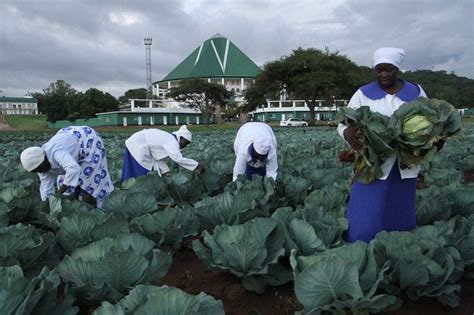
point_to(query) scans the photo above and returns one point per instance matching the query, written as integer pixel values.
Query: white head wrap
(184, 132)
(261, 145)
(31, 158)
(391, 55)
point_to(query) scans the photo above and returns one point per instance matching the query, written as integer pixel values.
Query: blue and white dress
(388, 203)
(77, 155)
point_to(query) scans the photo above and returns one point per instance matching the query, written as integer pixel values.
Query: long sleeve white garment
(385, 106)
(61, 150)
(149, 147)
(245, 136)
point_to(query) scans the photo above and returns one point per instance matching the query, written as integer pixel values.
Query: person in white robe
(388, 203)
(255, 149)
(76, 157)
(147, 149)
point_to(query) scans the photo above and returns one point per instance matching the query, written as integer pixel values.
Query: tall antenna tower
(149, 92)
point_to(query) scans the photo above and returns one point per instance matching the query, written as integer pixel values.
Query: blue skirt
(383, 205)
(250, 170)
(131, 168)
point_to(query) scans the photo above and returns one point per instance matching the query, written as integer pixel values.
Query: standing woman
(388, 203)
(77, 155)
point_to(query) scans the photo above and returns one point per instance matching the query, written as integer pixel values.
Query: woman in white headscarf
(388, 203)
(146, 150)
(78, 156)
(255, 150)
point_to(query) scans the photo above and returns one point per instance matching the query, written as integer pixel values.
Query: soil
(189, 274)
(468, 177)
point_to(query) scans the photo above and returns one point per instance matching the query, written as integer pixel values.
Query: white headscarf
(261, 145)
(391, 55)
(31, 158)
(184, 132)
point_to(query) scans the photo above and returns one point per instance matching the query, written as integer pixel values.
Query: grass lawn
(27, 122)
(38, 122)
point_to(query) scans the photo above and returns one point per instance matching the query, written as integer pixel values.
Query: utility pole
(149, 91)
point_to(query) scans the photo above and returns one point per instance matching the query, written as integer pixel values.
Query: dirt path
(4, 125)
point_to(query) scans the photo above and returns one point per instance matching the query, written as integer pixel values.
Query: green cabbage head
(416, 126)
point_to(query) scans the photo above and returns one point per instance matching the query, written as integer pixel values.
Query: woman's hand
(439, 145)
(200, 169)
(62, 189)
(351, 135)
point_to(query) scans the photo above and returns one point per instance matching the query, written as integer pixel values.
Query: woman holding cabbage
(388, 202)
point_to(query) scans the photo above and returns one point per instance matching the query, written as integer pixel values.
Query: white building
(18, 105)
(217, 60)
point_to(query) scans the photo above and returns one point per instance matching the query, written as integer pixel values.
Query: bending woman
(77, 156)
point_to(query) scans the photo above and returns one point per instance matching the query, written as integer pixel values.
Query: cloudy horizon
(99, 44)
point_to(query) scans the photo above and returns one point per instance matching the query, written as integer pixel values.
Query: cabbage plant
(250, 251)
(418, 125)
(376, 138)
(36, 295)
(163, 300)
(28, 247)
(107, 269)
(167, 228)
(339, 279)
(422, 266)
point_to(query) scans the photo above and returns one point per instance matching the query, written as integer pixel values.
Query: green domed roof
(216, 57)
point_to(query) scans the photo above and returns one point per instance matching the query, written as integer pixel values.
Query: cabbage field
(203, 244)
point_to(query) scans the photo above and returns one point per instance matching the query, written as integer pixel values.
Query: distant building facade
(18, 105)
(217, 60)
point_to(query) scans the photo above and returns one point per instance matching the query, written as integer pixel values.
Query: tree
(133, 93)
(201, 95)
(95, 101)
(231, 111)
(458, 91)
(58, 100)
(310, 75)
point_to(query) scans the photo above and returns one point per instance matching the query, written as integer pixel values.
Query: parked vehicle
(293, 122)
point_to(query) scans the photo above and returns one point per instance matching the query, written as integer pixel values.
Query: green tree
(231, 110)
(310, 75)
(133, 93)
(95, 101)
(456, 90)
(202, 95)
(58, 100)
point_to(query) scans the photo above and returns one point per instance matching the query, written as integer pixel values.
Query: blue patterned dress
(87, 148)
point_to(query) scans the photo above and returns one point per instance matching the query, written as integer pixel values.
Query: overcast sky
(99, 43)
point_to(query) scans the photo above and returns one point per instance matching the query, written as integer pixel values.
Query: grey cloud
(79, 41)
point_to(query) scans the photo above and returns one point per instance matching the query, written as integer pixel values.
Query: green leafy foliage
(246, 250)
(376, 140)
(162, 301)
(20, 295)
(421, 266)
(107, 269)
(346, 277)
(167, 228)
(28, 247)
(419, 124)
